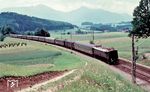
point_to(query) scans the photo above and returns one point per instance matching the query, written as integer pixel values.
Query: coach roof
(104, 49)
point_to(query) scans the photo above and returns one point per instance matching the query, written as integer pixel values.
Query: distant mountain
(76, 17)
(40, 11)
(22, 23)
(98, 16)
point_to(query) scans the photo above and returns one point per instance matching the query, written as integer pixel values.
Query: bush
(91, 42)
(29, 33)
(68, 33)
(2, 37)
(80, 32)
(6, 30)
(42, 32)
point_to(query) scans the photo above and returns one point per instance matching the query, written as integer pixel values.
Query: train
(108, 55)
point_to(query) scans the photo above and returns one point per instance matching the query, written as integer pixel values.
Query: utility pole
(93, 36)
(71, 36)
(61, 34)
(71, 41)
(133, 60)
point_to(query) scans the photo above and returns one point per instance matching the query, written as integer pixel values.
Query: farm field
(34, 58)
(117, 40)
(39, 57)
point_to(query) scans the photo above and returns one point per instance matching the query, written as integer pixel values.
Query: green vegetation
(29, 57)
(34, 58)
(2, 37)
(94, 77)
(6, 30)
(98, 78)
(88, 37)
(141, 20)
(42, 32)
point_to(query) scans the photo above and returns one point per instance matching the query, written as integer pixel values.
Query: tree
(29, 33)
(68, 33)
(42, 32)
(2, 37)
(6, 30)
(141, 29)
(87, 23)
(79, 31)
(141, 20)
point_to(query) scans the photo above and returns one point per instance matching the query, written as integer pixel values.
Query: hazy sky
(119, 6)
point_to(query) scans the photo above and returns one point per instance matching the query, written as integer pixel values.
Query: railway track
(142, 72)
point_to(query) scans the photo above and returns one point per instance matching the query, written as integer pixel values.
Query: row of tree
(107, 27)
(6, 30)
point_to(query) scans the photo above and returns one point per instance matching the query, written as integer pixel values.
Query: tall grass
(97, 78)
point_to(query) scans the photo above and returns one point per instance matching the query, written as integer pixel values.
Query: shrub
(42, 32)
(91, 42)
(6, 30)
(29, 33)
(2, 37)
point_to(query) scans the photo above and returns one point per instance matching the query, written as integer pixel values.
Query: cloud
(119, 6)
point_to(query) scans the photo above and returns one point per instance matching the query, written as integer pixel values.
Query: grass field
(34, 58)
(117, 40)
(94, 77)
(39, 57)
(97, 78)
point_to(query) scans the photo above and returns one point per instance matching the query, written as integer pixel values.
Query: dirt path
(36, 86)
(66, 82)
(12, 83)
(62, 85)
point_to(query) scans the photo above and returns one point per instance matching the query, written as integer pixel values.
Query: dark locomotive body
(114, 56)
(108, 55)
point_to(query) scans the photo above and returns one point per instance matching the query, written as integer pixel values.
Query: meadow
(93, 77)
(39, 57)
(117, 40)
(34, 58)
(98, 78)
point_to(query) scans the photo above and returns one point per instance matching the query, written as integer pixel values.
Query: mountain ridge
(23, 23)
(77, 16)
